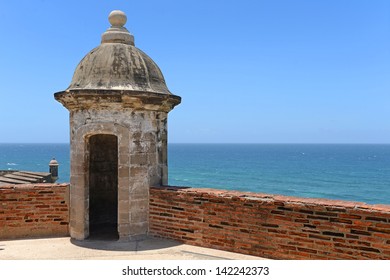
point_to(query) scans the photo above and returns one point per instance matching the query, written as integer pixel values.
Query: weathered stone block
(123, 171)
(123, 217)
(141, 204)
(124, 160)
(138, 171)
(123, 191)
(123, 205)
(139, 228)
(139, 159)
(140, 216)
(123, 230)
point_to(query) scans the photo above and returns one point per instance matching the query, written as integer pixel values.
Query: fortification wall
(275, 227)
(36, 210)
(269, 226)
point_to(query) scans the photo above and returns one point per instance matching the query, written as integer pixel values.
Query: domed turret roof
(116, 64)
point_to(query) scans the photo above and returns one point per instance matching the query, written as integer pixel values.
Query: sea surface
(347, 172)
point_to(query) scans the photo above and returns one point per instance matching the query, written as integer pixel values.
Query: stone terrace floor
(148, 249)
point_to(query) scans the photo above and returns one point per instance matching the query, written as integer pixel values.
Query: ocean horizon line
(217, 143)
(352, 172)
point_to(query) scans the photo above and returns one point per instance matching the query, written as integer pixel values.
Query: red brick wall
(271, 226)
(37, 210)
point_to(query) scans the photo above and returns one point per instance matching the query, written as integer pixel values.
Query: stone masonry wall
(36, 210)
(142, 162)
(275, 227)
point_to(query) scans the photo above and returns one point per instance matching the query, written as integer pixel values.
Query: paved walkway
(149, 249)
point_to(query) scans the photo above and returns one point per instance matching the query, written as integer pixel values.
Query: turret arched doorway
(103, 186)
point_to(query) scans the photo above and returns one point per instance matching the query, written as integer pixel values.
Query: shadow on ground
(147, 244)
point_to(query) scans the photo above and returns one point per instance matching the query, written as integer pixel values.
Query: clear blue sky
(261, 71)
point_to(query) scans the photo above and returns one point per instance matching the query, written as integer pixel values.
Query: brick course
(269, 226)
(34, 210)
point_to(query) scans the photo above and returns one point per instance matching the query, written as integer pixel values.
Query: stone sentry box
(118, 103)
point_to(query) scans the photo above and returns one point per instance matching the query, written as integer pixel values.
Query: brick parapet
(34, 210)
(271, 226)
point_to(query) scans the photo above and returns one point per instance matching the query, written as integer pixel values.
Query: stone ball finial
(117, 18)
(117, 33)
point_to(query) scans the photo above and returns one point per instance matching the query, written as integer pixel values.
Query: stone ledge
(267, 198)
(34, 186)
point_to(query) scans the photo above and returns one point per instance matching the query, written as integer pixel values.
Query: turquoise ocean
(335, 171)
